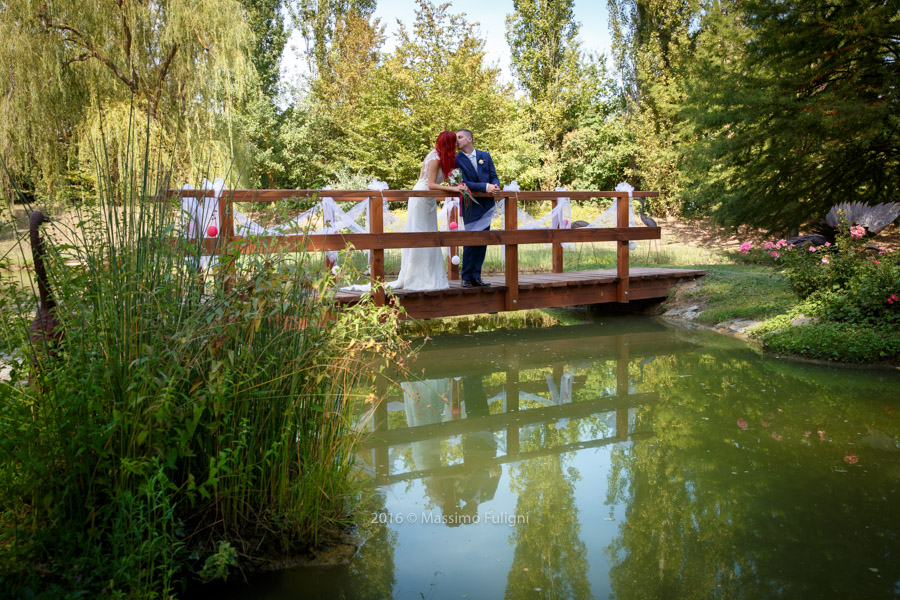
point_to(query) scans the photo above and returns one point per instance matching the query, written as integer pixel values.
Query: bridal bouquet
(455, 178)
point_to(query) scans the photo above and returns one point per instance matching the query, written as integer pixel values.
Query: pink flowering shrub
(844, 281)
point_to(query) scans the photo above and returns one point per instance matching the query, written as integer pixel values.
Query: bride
(423, 268)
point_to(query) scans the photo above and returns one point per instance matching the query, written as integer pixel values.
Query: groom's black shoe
(480, 283)
(468, 283)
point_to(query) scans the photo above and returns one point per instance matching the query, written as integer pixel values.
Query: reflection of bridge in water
(539, 386)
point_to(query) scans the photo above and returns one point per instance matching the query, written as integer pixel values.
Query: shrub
(846, 281)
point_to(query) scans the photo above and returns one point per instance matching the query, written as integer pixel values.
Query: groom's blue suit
(476, 179)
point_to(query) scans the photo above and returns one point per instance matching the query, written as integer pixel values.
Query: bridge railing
(377, 240)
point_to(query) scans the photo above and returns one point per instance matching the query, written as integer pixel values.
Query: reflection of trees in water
(371, 572)
(549, 554)
(738, 494)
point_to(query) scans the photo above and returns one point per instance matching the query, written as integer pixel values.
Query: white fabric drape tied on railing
(609, 217)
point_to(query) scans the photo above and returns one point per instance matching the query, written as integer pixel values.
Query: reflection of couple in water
(459, 493)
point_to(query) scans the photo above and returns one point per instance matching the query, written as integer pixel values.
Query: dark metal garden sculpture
(873, 218)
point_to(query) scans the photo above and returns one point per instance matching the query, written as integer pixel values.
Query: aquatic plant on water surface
(191, 421)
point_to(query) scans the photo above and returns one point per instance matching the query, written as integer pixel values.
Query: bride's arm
(434, 184)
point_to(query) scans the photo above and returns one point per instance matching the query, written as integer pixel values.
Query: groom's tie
(471, 158)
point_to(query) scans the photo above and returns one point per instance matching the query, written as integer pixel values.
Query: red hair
(446, 150)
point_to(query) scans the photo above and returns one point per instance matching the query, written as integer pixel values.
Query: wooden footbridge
(509, 292)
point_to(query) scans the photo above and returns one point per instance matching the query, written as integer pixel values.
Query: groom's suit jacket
(477, 180)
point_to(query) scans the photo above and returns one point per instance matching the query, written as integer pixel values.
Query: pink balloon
(212, 231)
(453, 225)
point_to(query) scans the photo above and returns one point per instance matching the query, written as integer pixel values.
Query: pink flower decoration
(774, 254)
(781, 243)
(851, 458)
(827, 244)
(892, 298)
(768, 245)
(812, 248)
(745, 247)
(825, 260)
(807, 433)
(742, 424)
(764, 423)
(776, 437)
(857, 231)
(877, 262)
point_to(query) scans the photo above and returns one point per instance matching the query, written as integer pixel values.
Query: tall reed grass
(182, 430)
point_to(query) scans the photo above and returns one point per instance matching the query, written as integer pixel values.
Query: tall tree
(550, 68)
(652, 40)
(266, 20)
(67, 70)
(261, 119)
(318, 21)
(797, 107)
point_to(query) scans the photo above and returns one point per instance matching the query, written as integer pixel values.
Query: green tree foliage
(549, 65)
(795, 106)
(367, 111)
(260, 118)
(69, 71)
(319, 21)
(651, 42)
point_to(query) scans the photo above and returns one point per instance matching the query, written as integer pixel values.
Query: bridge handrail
(376, 241)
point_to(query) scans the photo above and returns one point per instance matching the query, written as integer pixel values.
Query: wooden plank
(391, 195)
(376, 255)
(511, 217)
(494, 237)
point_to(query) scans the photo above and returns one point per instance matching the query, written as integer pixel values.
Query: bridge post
(511, 221)
(376, 255)
(622, 248)
(453, 270)
(226, 233)
(557, 247)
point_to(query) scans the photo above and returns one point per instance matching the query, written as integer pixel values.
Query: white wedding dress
(422, 268)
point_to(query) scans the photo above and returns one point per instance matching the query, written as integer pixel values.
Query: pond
(622, 457)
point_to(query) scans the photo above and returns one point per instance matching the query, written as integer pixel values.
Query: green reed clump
(190, 422)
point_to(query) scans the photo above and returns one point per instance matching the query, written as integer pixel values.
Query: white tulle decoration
(378, 185)
(512, 186)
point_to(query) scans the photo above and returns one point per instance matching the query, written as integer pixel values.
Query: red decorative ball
(212, 231)
(565, 223)
(453, 225)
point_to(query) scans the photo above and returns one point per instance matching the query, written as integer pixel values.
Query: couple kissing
(466, 170)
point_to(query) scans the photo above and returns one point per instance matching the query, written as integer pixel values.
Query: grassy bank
(178, 431)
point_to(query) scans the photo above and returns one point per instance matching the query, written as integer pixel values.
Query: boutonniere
(481, 161)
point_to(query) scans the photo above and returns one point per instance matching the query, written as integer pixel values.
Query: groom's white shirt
(471, 158)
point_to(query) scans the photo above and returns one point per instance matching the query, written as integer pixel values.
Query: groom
(479, 174)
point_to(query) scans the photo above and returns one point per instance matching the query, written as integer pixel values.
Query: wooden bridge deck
(538, 290)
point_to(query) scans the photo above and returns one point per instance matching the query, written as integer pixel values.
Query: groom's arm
(475, 186)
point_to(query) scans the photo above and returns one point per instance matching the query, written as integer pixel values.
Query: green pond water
(621, 457)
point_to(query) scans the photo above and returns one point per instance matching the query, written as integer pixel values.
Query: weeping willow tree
(70, 71)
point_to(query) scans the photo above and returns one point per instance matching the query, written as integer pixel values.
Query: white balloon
(455, 260)
(632, 245)
(335, 270)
